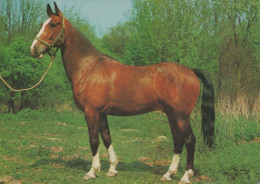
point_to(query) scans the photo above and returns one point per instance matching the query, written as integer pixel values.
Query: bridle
(51, 46)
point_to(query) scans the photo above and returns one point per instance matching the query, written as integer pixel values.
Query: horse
(103, 86)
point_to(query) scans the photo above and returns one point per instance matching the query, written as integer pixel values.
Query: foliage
(16, 63)
(20, 18)
(18, 67)
(115, 40)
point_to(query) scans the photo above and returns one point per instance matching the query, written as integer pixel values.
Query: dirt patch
(137, 138)
(61, 123)
(10, 158)
(51, 138)
(55, 139)
(160, 138)
(54, 156)
(254, 140)
(84, 128)
(146, 160)
(57, 166)
(84, 148)
(9, 180)
(86, 157)
(104, 155)
(15, 182)
(164, 162)
(6, 179)
(57, 149)
(70, 157)
(202, 178)
(13, 159)
(33, 146)
(32, 170)
(129, 130)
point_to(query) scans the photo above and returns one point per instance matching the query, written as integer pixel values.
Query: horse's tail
(207, 107)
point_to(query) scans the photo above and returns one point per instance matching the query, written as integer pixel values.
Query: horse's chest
(91, 94)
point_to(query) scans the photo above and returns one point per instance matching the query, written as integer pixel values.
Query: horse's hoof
(89, 176)
(165, 179)
(184, 182)
(111, 173)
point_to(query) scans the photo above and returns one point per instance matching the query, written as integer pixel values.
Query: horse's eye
(53, 25)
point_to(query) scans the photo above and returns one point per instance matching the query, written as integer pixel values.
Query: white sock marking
(96, 162)
(187, 175)
(112, 154)
(173, 167)
(175, 163)
(94, 168)
(113, 159)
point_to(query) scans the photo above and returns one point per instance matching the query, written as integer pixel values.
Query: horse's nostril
(33, 50)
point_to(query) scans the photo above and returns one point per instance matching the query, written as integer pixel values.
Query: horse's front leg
(105, 134)
(93, 121)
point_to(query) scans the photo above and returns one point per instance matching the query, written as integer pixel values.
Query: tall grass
(241, 106)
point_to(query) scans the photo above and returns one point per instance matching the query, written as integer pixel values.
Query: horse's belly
(132, 109)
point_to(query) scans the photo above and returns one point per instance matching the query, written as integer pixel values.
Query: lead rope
(26, 89)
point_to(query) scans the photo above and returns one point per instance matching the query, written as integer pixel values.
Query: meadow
(53, 147)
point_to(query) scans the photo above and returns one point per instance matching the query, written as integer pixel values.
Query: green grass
(41, 147)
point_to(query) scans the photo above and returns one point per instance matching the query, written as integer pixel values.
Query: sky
(102, 14)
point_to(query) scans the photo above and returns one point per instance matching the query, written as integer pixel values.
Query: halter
(52, 45)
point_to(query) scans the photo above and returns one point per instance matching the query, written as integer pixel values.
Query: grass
(40, 147)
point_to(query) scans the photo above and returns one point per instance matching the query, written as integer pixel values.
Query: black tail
(207, 107)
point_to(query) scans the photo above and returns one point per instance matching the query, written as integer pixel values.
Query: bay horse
(102, 86)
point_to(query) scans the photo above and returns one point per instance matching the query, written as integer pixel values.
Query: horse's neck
(77, 51)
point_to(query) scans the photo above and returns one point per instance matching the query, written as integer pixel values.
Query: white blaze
(41, 32)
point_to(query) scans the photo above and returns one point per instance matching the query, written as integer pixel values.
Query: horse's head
(50, 35)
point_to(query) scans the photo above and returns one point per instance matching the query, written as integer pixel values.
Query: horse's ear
(57, 10)
(49, 10)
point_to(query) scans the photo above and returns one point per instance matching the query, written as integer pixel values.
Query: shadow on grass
(78, 163)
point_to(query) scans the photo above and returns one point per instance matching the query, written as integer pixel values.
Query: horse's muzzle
(38, 51)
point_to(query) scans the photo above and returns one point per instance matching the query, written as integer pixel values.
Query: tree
(18, 18)
(19, 22)
(115, 40)
(237, 28)
(218, 36)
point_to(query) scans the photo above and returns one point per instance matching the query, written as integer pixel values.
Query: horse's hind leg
(189, 140)
(178, 146)
(182, 134)
(105, 134)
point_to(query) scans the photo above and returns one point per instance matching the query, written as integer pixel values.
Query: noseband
(52, 45)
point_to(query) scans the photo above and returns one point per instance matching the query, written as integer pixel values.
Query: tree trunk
(11, 106)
